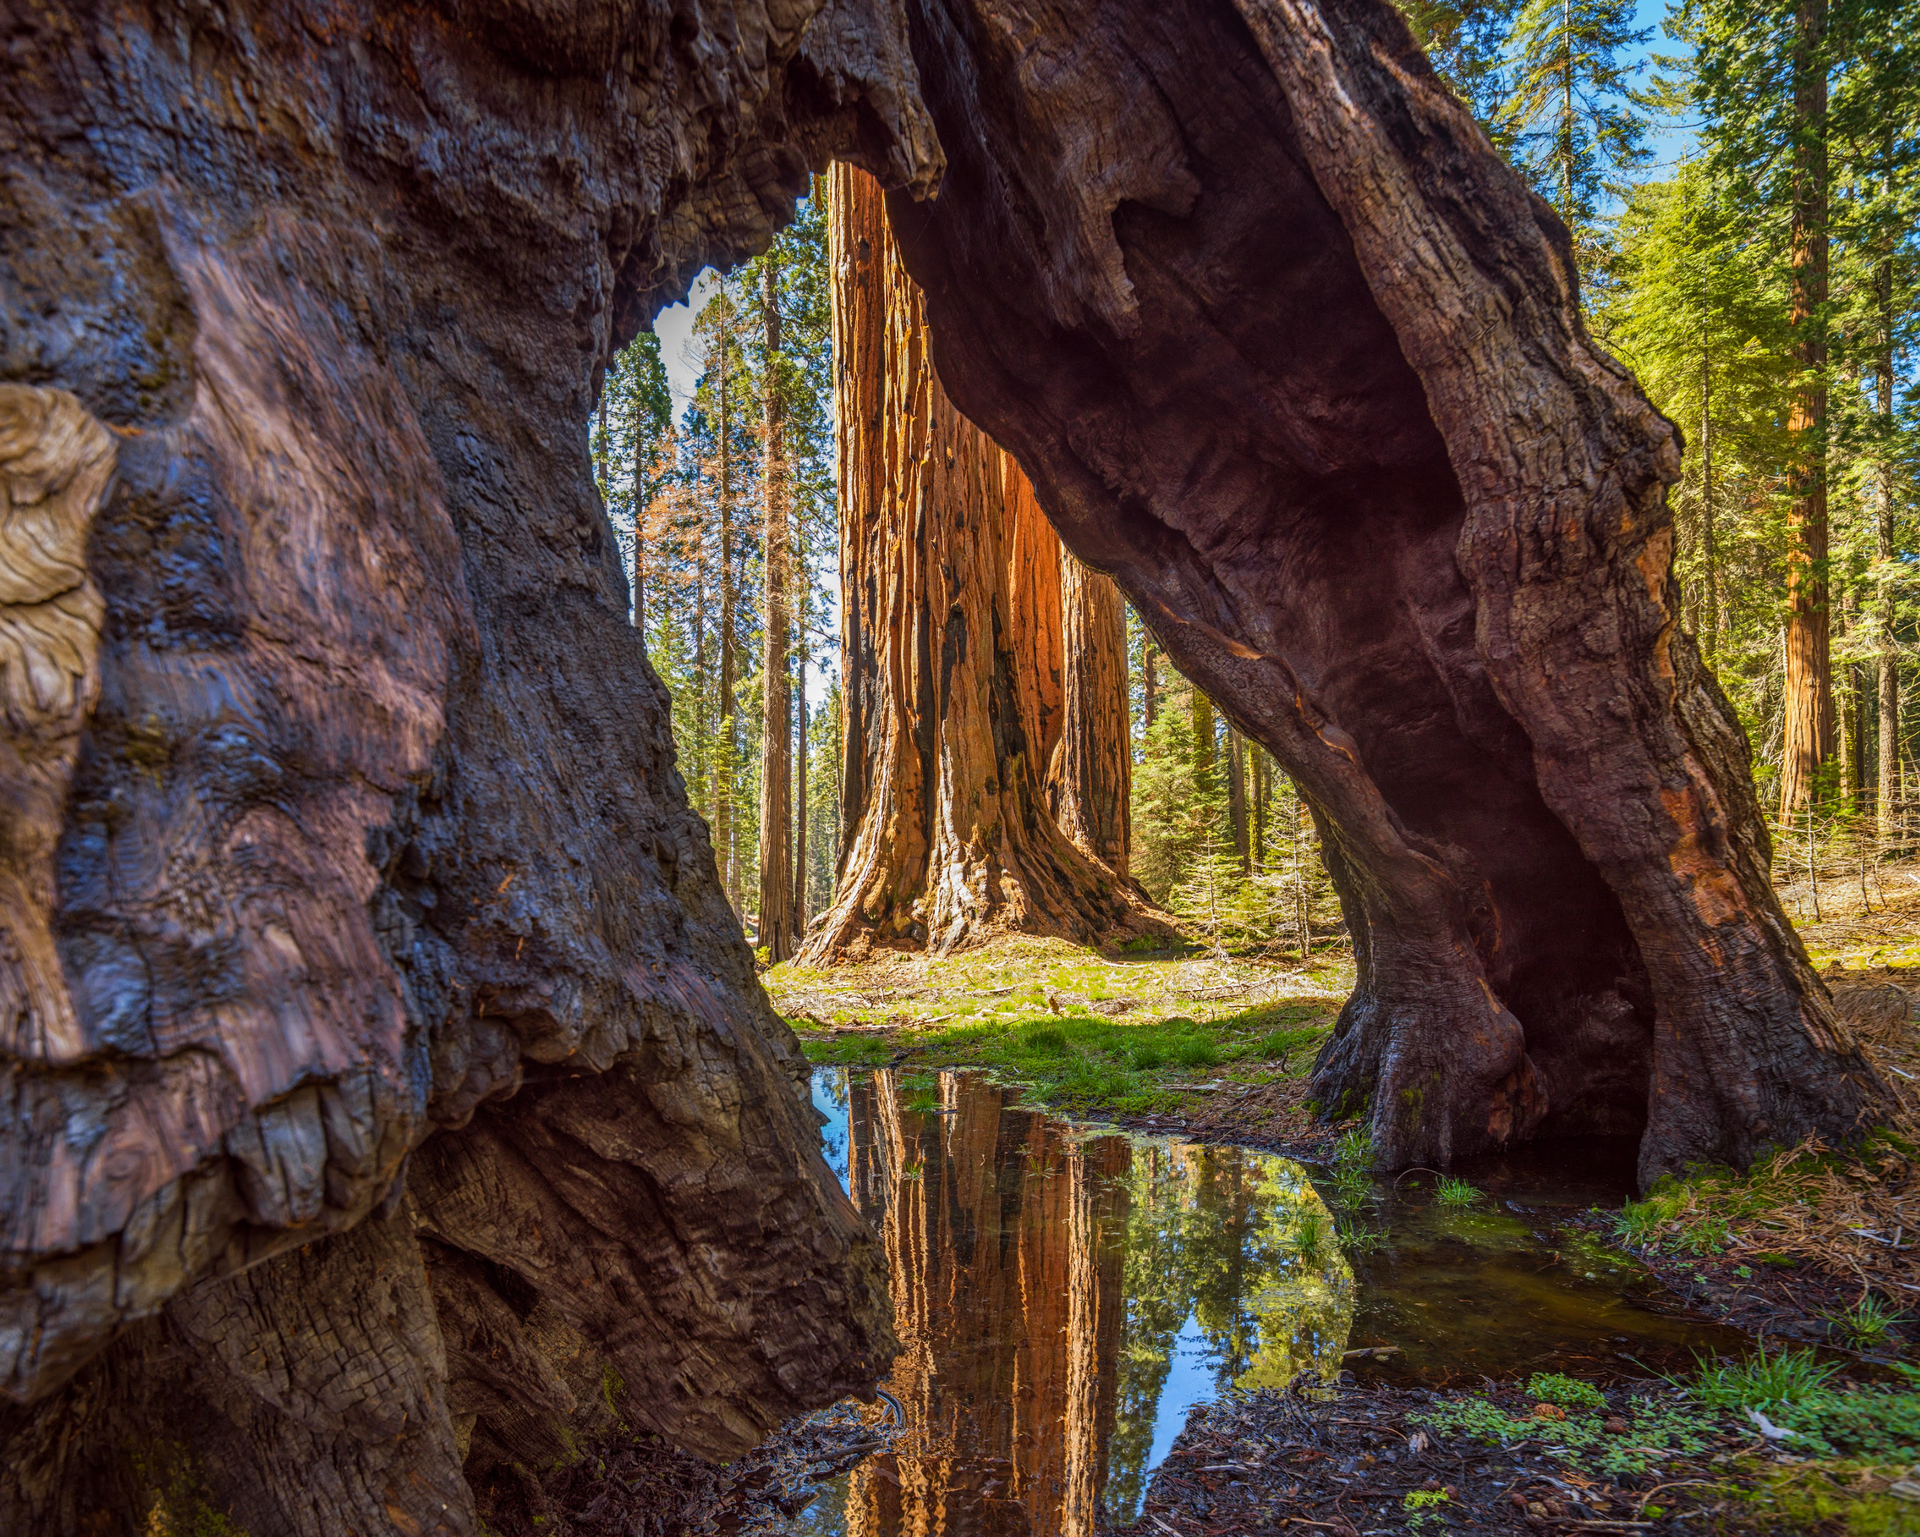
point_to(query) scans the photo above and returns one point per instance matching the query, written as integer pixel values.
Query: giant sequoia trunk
(390, 1106)
(1297, 358)
(950, 582)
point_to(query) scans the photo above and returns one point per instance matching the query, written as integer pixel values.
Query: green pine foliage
(684, 498)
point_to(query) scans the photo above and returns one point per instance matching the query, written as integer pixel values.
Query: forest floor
(1816, 1253)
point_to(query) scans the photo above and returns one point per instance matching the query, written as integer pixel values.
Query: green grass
(1797, 1392)
(1130, 1064)
(1868, 1323)
(1357, 1238)
(1455, 1192)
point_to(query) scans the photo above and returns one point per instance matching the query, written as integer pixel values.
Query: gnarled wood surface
(1297, 358)
(360, 947)
(341, 805)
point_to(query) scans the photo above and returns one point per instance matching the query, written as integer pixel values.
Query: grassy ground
(1207, 1038)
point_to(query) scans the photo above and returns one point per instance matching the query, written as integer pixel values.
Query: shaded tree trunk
(1200, 713)
(776, 715)
(1090, 777)
(800, 804)
(726, 748)
(1887, 663)
(1809, 687)
(1237, 796)
(1149, 680)
(955, 646)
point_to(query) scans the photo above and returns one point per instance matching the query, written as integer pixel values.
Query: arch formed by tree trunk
(390, 1102)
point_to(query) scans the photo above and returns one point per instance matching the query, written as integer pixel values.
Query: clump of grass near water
(1455, 1192)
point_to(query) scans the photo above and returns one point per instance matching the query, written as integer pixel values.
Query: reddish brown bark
(1006, 1278)
(776, 716)
(952, 643)
(1299, 360)
(1090, 774)
(1809, 727)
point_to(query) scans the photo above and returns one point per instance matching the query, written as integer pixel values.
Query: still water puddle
(1064, 1295)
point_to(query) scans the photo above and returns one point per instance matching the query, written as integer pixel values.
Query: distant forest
(1738, 186)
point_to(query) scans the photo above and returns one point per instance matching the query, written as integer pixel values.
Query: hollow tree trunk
(348, 888)
(1090, 773)
(1427, 564)
(956, 646)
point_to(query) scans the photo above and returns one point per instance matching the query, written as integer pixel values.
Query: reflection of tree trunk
(951, 583)
(1090, 779)
(1003, 1240)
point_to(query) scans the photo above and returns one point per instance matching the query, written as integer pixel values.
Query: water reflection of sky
(830, 1099)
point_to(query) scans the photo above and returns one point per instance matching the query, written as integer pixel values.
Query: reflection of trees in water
(1039, 1283)
(1215, 1235)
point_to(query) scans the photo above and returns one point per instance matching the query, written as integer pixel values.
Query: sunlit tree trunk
(1809, 688)
(776, 717)
(952, 603)
(1090, 779)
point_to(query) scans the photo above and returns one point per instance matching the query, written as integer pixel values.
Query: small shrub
(1567, 1392)
(1423, 1508)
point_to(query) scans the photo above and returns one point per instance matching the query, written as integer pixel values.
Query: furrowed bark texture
(1090, 773)
(342, 835)
(1297, 359)
(341, 822)
(954, 693)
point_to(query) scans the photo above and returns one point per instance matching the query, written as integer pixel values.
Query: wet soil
(1274, 1461)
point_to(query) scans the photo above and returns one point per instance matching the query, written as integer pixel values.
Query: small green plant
(1044, 1041)
(1455, 1192)
(1787, 1376)
(1195, 1051)
(1867, 1323)
(1423, 1508)
(1356, 1238)
(1147, 1057)
(1708, 1235)
(1310, 1235)
(1567, 1392)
